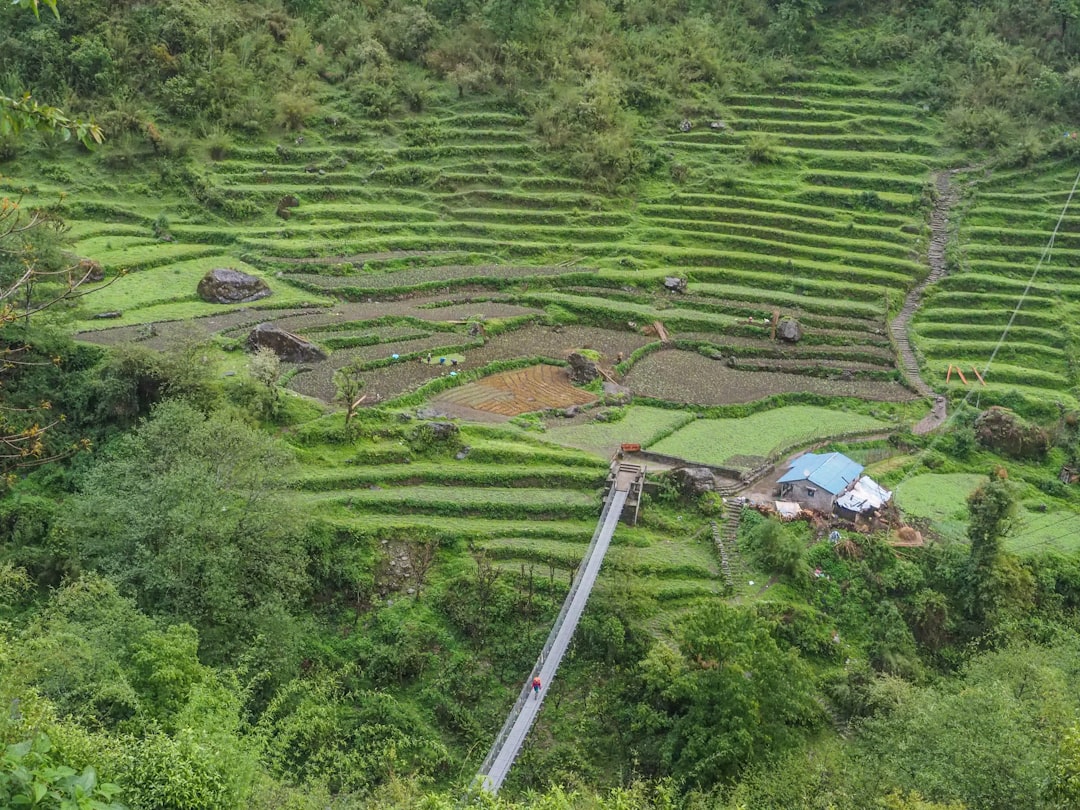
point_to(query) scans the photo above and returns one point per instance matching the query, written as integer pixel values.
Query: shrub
(977, 128)
(294, 108)
(218, 145)
(776, 549)
(762, 147)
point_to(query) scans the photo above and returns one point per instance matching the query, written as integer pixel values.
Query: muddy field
(512, 393)
(405, 375)
(688, 377)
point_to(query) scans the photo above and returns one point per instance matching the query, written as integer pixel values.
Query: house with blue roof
(817, 480)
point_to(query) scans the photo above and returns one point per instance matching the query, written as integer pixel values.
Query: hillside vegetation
(218, 590)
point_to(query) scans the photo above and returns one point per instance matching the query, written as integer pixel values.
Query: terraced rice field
(687, 377)
(729, 441)
(640, 424)
(512, 393)
(528, 507)
(830, 230)
(1007, 224)
(939, 498)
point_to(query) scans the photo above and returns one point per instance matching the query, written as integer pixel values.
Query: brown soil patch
(395, 379)
(512, 393)
(688, 377)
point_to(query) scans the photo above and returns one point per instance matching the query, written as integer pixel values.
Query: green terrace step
(319, 210)
(472, 134)
(754, 117)
(458, 474)
(542, 183)
(785, 207)
(144, 257)
(504, 169)
(857, 180)
(471, 120)
(432, 277)
(631, 311)
(987, 332)
(488, 502)
(1049, 198)
(533, 217)
(893, 162)
(780, 242)
(510, 453)
(82, 230)
(409, 154)
(772, 297)
(684, 590)
(518, 199)
(1004, 375)
(753, 262)
(810, 102)
(373, 192)
(784, 230)
(466, 528)
(569, 555)
(1059, 270)
(965, 300)
(768, 220)
(499, 232)
(787, 282)
(1035, 355)
(993, 218)
(1040, 313)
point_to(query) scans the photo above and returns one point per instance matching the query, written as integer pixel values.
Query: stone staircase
(946, 198)
(725, 538)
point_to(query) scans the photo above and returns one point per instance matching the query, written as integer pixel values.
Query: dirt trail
(947, 196)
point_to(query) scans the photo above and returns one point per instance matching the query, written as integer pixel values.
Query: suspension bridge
(622, 501)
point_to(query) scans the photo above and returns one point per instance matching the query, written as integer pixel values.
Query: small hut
(816, 480)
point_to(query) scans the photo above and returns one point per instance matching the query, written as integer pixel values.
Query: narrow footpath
(947, 196)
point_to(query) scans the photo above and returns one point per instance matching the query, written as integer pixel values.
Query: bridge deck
(521, 717)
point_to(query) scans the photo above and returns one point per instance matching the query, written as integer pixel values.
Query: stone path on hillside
(947, 196)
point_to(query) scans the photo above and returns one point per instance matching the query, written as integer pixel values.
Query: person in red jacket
(536, 687)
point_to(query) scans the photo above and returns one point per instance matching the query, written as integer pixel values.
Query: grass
(641, 425)
(1043, 531)
(940, 498)
(168, 292)
(715, 441)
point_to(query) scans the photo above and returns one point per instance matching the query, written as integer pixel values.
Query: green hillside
(516, 240)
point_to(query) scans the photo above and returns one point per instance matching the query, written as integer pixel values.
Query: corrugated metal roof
(866, 494)
(833, 472)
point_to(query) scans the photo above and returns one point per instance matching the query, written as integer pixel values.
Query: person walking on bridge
(536, 687)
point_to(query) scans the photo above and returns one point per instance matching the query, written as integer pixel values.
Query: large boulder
(225, 285)
(693, 481)
(615, 394)
(675, 284)
(790, 330)
(1002, 431)
(289, 347)
(582, 369)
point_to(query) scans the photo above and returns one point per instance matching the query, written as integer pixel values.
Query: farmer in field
(536, 687)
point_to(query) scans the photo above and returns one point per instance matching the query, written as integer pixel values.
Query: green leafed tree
(995, 581)
(187, 514)
(730, 696)
(988, 738)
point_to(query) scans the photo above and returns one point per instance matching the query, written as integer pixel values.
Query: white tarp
(864, 496)
(788, 509)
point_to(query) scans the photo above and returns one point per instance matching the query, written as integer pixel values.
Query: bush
(762, 147)
(977, 128)
(294, 108)
(776, 549)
